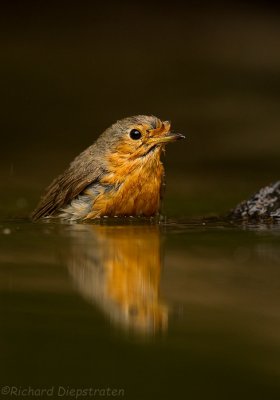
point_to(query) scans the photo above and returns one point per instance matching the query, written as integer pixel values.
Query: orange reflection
(118, 267)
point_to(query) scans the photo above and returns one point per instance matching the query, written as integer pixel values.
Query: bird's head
(137, 139)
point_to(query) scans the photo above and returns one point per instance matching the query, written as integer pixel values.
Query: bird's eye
(135, 134)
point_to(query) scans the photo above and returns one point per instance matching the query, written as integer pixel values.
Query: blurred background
(71, 69)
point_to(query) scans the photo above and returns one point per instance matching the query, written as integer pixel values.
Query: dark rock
(262, 205)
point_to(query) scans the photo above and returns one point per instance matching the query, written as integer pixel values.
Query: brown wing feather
(84, 170)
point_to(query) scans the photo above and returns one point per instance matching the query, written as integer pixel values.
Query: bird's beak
(163, 135)
(170, 137)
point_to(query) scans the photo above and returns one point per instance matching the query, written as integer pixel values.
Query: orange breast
(138, 192)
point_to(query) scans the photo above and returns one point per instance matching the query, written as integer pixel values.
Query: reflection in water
(118, 268)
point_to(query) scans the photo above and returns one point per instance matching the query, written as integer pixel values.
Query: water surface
(159, 310)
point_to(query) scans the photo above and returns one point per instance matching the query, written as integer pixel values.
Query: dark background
(70, 69)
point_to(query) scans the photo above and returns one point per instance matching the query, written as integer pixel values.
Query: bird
(121, 174)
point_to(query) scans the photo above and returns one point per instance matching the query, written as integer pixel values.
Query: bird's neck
(119, 168)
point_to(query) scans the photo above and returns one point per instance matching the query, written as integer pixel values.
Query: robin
(121, 174)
